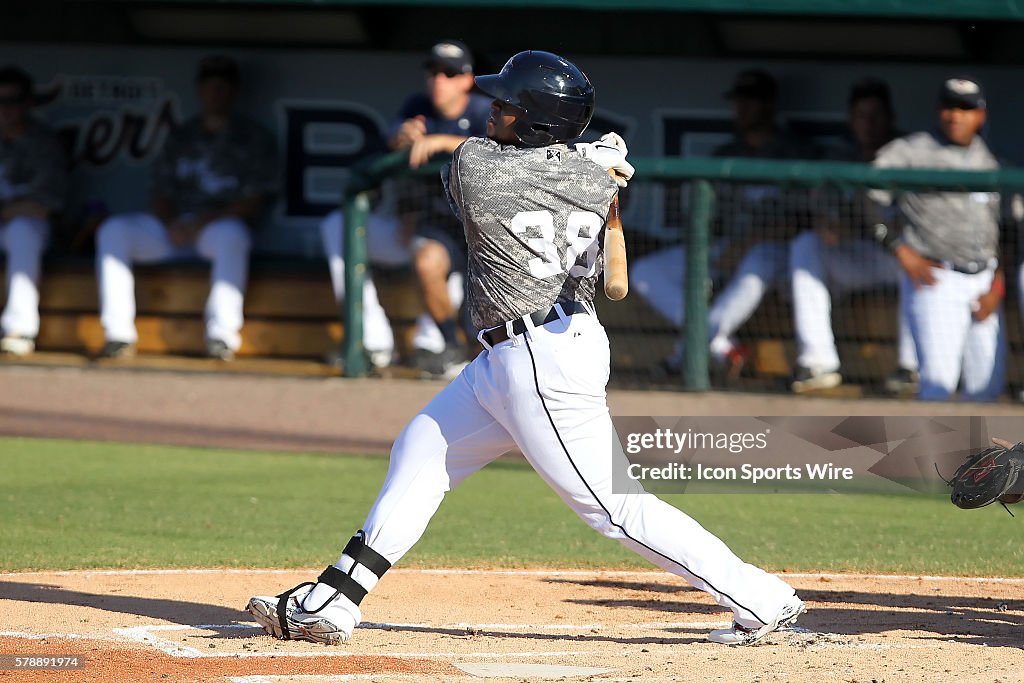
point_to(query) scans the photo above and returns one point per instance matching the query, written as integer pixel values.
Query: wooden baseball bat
(616, 281)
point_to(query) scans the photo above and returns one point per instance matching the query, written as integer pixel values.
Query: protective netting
(796, 282)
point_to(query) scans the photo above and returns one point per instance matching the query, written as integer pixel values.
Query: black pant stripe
(536, 382)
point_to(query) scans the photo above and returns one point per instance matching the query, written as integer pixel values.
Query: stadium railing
(713, 206)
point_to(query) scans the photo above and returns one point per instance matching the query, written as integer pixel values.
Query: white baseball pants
(384, 247)
(951, 345)
(762, 268)
(125, 239)
(661, 279)
(850, 266)
(1020, 286)
(544, 392)
(23, 240)
(377, 334)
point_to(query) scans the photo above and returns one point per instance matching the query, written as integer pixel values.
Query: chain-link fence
(753, 275)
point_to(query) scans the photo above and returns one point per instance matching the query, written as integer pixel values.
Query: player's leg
(446, 442)
(23, 239)
(331, 229)
(433, 265)
(984, 372)
(660, 279)
(226, 243)
(548, 389)
(437, 255)
(939, 316)
(426, 336)
(850, 266)
(817, 357)
(378, 338)
(859, 265)
(907, 353)
(122, 240)
(1020, 282)
(763, 266)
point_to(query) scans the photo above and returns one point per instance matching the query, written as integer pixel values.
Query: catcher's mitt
(992, 475)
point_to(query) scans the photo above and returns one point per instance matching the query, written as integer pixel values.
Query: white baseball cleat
(742, 635)
(330, 625)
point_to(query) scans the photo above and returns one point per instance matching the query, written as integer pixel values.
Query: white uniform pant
(544, 392)
(763, 267)
(850, 266)
(23, 241)
(951, 345)
(377, 334)
(125, 239)
(660, 279)
(384, 248)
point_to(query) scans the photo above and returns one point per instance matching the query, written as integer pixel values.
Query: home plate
(528, 671)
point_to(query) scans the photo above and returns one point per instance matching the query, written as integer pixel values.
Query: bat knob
(616, 292)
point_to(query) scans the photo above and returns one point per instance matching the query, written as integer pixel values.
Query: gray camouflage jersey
(533, 220)
(202, 171)
(33, 167)
(959, 227)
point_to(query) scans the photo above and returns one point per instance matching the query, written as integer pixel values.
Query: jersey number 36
(581, 246)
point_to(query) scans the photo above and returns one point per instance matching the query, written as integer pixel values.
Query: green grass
(71, 505)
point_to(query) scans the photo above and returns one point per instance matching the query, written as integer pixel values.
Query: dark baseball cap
(16, 76)
(219, 66)
(870, 88)
(754, 83)
(962, 93)
(451, 57)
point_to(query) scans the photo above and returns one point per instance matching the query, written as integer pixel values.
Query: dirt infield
(426, 625)
(432, 625)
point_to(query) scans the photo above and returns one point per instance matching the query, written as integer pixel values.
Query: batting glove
(614, 140)
(610, 154)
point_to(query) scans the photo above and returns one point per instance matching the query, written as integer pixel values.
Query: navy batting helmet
(555, 97)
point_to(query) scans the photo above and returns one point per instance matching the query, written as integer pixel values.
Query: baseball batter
(533, 210)
(948, 249)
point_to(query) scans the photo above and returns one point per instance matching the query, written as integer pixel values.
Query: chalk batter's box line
(144, 635)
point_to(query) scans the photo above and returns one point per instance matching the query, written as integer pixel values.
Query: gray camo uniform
(202, 171)
(33, 167)
(533, 220)
(961, 228)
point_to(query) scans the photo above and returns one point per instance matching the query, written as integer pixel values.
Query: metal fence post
(695, 371)
(357, 211)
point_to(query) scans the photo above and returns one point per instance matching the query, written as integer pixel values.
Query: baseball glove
(992, 475)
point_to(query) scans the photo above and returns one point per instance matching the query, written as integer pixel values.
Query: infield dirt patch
(421, 624)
